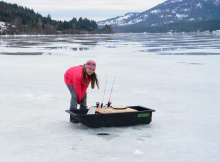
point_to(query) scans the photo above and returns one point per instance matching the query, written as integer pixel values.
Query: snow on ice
(175, 74)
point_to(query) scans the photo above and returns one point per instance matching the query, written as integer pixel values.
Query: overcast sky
(92, 9)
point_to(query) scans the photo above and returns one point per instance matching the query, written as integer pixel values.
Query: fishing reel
(97, 104)
(108, 104)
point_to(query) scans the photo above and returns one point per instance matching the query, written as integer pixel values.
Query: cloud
(98, 14)
(92, 9)
(42, 5)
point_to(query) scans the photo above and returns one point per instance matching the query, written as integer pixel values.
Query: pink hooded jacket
(74, 77)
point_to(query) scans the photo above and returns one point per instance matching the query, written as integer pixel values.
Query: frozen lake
(175, 74)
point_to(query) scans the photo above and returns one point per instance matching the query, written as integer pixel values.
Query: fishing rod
(109, 102)
(104, 92)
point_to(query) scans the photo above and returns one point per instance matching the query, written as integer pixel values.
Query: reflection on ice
(22, 53)
(191, 63)
(150, 44)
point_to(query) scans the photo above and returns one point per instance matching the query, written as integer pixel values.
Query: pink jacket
(74, 77)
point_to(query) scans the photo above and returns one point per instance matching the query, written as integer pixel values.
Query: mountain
(171, 11)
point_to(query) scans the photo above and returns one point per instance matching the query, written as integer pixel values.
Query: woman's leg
(83, 104)
(73, 101)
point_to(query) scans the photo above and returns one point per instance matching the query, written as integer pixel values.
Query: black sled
(137, 115)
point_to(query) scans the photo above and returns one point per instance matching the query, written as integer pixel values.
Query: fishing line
(109, 103)
(104, 92)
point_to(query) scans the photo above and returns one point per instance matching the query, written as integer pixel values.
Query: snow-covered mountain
(169, 12)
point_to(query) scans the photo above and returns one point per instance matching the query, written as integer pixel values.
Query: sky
(92, 9)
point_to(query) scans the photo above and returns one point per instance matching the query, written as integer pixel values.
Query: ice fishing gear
(109, 102)
(104, 93)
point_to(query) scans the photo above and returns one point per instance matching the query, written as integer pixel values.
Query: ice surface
(175, 74)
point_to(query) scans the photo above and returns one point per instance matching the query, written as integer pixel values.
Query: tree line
(20, 20)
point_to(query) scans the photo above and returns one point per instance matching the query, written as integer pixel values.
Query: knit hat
(90, 65)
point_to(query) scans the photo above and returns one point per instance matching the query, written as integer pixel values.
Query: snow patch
(199, 5)
(138, 152)
(185, 9)
(174, 1)
(216, 32)
(168, 16)
(180, 16)
(155, 11)
(217, 2)
(2, 26)
(174, 11)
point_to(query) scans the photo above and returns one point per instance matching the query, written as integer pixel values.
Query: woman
(77, 79)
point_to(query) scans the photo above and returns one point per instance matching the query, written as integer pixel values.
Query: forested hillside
(209, 25)
(20, 20)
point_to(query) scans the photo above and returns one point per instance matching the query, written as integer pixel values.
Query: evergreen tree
(26, 21)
